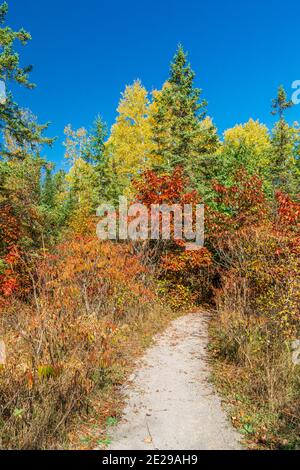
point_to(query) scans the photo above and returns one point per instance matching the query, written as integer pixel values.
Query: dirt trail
(170, 403)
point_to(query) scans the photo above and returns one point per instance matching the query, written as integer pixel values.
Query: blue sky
(84, 53)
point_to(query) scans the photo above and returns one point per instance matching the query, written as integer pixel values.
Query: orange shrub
(60, 343)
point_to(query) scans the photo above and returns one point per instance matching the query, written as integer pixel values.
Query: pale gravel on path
(170, 403)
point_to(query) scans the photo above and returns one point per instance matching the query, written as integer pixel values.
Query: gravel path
(170, 403)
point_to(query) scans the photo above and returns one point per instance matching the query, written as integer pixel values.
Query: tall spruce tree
(179, 135)
(96, 153)
(285, 147)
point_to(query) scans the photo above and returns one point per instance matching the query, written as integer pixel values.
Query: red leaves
(246, 199)
(175, 264)
(186, 261)
(153, 188)
(240, 205)
(288, 220)
(288, 210)
(10, 234)
(9, 285)
(9, 225)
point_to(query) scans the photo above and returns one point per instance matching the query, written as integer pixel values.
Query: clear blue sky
(84, 53)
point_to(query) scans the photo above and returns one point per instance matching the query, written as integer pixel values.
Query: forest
(76, 311)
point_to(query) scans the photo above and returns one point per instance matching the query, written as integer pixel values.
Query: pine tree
(95, 145)
(48, 188)
(179, 137)
(280, 103)
(13, 120)
(286, 149)
(95, 153)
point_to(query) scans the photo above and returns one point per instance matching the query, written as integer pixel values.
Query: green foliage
(94, 151)
(13, 120)
(88, 179)
(285, 168)
(280, 103)
(10, 68)
(181, 136)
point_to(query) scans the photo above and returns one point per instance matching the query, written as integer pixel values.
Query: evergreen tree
(286, 149)
(88, 179)
(95, 146)
(96, 155)
(179, 137)
(280, 103)
(13, 120)
(48, 188)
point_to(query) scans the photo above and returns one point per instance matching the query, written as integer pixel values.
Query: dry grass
(253, 369)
